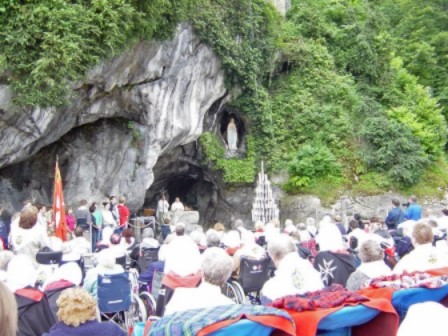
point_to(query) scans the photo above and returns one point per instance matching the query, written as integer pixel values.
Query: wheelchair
(117, 301)
(253, 275)
(147, 299)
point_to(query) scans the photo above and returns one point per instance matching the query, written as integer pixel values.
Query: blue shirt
(414, 212)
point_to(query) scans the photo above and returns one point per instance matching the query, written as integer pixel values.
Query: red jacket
(124, 214)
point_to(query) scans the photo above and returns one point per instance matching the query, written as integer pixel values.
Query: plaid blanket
(333, 296)
(409, 280)
(190, 322)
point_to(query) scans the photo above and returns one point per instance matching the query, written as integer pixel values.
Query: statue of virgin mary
(232, 135)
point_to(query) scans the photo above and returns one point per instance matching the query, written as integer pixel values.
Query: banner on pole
(60, 223)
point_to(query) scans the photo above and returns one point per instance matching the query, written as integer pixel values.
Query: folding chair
(117, 303)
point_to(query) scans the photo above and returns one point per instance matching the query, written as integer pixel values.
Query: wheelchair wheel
(136, 313)
(149, 303)
(235, 292)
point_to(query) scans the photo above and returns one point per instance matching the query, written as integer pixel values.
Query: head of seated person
(216, 268)
(294, 275)
(106, 264)
(199, 239)
(78, 232)
(372, 265)
(422, 234)
(68, 274)
(77, 313)
(148, 240)
(182, 256)
(20, 273)
(213, 238)
(180, 230)
(232, 241)
(330, 238)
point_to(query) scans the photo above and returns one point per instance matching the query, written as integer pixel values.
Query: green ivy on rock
(235, 170)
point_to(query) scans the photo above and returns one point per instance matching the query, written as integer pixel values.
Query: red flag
(58, 206)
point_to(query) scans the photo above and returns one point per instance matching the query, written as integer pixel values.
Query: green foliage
(235, 170)
(312, 160)
(50, 42)
(358, 102)
(420, 37)
(391, 148)
(434, 181)
(417, 110)
(136, 134)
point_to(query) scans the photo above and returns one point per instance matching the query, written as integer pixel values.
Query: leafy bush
(391, 148)
(312, 160)
(416, 109)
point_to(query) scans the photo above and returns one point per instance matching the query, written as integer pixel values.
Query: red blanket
(333, 296)
(385, 323)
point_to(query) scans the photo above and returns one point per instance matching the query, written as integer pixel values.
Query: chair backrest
(353, 243)
(49, 258)
(114, 292)
(253, 274)
(121, 261)
(147, 256)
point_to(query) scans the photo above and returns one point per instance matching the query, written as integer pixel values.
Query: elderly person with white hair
(106, 265)
(294, 275)
(334, 262)
(213, 238)
(372, 266)
(232, 241)
(424, 256)
(148, 240)
(249, 250)
(182, 269)
(216, 269)
(199, 239)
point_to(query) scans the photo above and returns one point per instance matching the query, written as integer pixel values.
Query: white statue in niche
(232, 136)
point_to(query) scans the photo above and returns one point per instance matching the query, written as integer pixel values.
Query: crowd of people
(197, 263)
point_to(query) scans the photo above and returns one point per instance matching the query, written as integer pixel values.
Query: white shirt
(293, 276)
(204, 296)
(149, 243)
(28, 241)
(182, 257)
(162, 206)
(108, 218)
(177, 206)
(423, 257)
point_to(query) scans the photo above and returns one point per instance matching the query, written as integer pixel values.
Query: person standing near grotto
(177, 205)
(124, 214)
(414, 211)
(395, 216)
(162, 209)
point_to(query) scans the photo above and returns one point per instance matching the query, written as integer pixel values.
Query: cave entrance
(178, 173)
(184, 187)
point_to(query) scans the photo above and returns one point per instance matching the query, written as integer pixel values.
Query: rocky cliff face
(127, 113)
